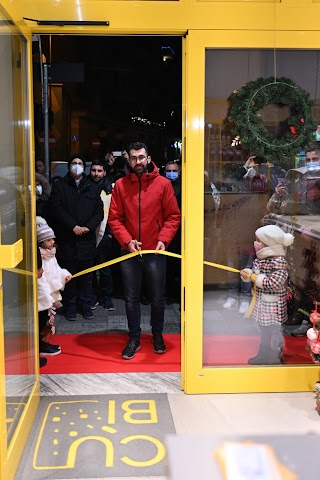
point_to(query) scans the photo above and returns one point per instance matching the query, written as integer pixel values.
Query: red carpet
(101, 353)
(235, 350)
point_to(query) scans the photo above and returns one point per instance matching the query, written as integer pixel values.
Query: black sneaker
(87, 313)
(46, 349)
(43, 362)
(71, 315)
(94, 305)
(158, 343)
(131, 349)
(42, 342)
(108, 305)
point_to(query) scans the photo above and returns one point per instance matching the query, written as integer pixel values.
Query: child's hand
(245, 274)
(68, 278)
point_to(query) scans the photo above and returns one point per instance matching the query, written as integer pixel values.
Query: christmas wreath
(296, 133)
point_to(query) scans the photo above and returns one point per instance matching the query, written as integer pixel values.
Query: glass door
(19, 358)
(237, 187)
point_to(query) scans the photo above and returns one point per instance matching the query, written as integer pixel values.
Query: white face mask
(76, 169)
(39, 189)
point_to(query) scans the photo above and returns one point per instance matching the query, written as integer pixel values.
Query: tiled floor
(220, 414)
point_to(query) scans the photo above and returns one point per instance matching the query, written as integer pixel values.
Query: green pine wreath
(297, 132)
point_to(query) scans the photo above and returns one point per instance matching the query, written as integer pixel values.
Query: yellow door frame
(10, 257)
(199, 379)
(215, 24)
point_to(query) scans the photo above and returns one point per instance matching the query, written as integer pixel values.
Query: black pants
(102, 282)
(43, 317)
(79, 288)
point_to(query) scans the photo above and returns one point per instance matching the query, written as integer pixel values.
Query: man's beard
(140, 171)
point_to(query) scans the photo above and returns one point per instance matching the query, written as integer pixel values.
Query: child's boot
(262, 357)
(275, 357)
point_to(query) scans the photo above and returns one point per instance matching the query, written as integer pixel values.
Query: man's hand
(250, 162)
(68, 278)
(281, 190)
(134, 246)
(110, 159)
(160, 246)
(77, 230)
(125, 155)
(80, 230)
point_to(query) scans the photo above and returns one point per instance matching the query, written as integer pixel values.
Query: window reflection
(243, 192)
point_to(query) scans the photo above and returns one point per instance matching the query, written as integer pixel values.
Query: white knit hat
(272, 235)
(44, 232)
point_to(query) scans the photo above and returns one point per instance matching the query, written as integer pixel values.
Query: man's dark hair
(310, 149)
(137, 146)
(172, 162)
(259, 160)
(99, 162)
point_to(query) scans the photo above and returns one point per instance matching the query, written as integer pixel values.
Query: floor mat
(100, 436)
(101, 353)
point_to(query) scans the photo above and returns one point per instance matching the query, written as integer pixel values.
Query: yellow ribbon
(157, 252)
(124, 257)
(222, 267)
(254, 295)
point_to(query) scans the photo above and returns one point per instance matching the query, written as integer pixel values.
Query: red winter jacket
(144, 209)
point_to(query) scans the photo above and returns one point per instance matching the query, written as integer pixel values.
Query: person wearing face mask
(269, 273)
(75, 212)
(173, 275)
(43, 190)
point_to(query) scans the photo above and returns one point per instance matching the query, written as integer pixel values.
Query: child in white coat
(55, 276)
(52, 281)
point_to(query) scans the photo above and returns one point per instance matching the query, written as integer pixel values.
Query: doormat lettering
(98, 436)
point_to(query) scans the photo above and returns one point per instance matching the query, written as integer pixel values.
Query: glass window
(246, 190)
(15, 224)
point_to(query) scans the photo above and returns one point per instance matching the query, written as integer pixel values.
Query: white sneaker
(229, 303)
(244, 305)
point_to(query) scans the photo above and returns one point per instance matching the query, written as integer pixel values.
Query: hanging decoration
(296, 132)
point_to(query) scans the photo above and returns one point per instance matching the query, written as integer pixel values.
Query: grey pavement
(116, 320)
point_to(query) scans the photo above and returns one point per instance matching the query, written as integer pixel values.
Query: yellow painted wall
(174, 17)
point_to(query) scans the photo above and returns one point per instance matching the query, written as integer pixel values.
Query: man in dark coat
(102, 287)
(75, 211)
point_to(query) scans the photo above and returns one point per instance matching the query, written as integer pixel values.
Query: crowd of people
(293, 194)
(86, 220)
(126, 205)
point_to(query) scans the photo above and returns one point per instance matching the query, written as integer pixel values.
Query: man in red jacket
(144, 215)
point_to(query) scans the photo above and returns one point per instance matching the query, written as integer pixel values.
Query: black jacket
(69, 206)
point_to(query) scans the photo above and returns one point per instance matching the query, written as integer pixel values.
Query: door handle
(11, 255)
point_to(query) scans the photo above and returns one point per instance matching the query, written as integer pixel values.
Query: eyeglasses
(313, 159)
(141, 158)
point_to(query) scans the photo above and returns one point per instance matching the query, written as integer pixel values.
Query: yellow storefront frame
(221, 379)
(10, 257)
